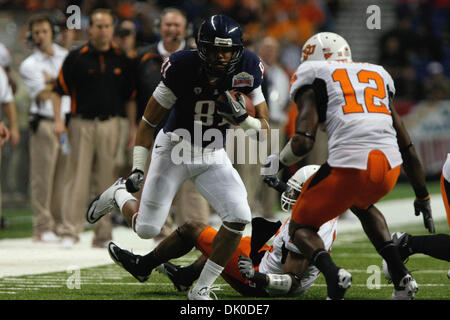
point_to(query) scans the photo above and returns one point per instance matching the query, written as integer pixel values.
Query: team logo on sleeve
(243, 79)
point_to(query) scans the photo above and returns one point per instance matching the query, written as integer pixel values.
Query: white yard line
(24, 257)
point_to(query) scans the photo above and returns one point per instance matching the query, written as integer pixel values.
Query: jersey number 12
(364, 76)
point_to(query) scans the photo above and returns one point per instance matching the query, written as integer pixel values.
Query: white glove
(271, 165)
(245, 266)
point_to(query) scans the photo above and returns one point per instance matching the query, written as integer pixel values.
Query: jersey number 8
(204, 112)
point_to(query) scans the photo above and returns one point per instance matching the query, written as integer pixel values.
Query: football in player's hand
(248, 102)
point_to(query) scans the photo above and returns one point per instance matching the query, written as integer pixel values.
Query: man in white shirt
(48, 174)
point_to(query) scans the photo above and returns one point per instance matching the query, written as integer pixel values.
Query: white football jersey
(353, 104)
(272, 259)
(446, 168)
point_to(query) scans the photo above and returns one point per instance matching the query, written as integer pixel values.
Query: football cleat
(128, 261)
(104, 203)
(202, 293)
(406, 289)
(337, 290)
(176, 275)
(399, 239)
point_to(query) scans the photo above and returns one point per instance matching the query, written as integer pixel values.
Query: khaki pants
(261, 198)
(47, 179)
(91, 164)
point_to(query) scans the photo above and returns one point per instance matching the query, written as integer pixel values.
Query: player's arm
(413, 169)
(411, 162)
(261, 111)
(154, 113)
(276, 284)
(306, 126)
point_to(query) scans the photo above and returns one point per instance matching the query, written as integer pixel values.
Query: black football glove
(424, 207)
(134, 181)
(274, 182)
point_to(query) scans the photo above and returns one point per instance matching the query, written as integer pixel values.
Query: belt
(40, 117)
(90, 117)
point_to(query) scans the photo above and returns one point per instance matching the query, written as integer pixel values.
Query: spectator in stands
(437, 86)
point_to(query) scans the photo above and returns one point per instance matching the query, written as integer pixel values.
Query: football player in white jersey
(256, 269)
(367, 144)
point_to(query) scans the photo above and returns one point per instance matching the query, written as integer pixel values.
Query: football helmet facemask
(326, 46)
(295, 185)
(219, 33)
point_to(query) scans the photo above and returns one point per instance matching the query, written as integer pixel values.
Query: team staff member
(98, 77)
(47, 171)
(172, 26)
(8, 110)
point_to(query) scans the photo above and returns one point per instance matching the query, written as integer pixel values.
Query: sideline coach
(99, 78)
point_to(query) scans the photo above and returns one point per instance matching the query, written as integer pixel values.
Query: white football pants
(211, 172)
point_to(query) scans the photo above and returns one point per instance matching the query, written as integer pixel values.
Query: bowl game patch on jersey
(242, 79)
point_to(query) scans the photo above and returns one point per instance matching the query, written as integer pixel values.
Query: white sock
(122, 196)
(211, 271)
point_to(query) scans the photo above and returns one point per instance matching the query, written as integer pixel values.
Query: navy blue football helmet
(219, 33)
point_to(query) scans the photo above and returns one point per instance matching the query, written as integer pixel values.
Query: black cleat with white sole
(128, 261)
(337, 289)
(178, 276)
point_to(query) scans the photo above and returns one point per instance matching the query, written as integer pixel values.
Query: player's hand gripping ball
(235, 106)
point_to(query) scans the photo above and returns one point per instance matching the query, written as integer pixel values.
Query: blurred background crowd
(413, 44)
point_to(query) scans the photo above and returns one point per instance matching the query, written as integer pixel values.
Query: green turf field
(351, 250)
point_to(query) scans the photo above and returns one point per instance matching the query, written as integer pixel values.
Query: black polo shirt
(148, 75)
(99, 83)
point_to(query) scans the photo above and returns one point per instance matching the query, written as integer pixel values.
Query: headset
(157, 23)
(38, 19)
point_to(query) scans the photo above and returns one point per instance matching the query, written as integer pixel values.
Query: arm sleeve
(390, 87)
(169, 74)
(33, 79)
(165, 97)
(256, 95)
(303, 76)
